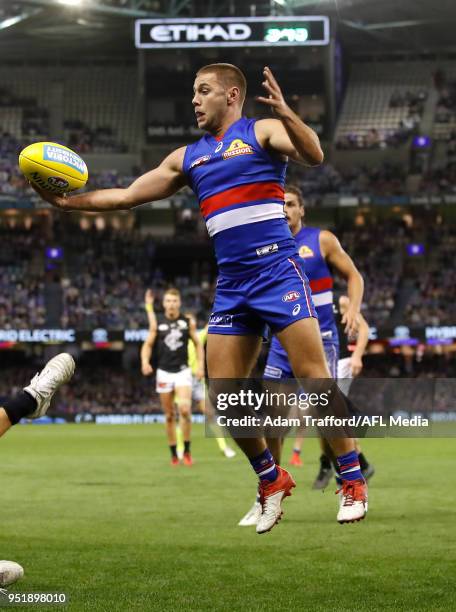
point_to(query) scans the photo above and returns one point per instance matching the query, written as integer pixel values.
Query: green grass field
(97, 512)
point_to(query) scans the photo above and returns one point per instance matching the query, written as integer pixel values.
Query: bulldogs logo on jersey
(305, 252)
(237, 147)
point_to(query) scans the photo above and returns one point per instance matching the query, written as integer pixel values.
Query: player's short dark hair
(172, 291)
(295, 190)
(229, 74)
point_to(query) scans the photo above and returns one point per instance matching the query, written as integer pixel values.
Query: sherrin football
(53, 167)
(10, 572)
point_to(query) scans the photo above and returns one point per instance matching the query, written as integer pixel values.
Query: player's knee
(170, 418)
(185, 411)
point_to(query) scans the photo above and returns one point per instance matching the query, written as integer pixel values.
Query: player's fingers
(269, 88)
(269, 101)
(268, 73)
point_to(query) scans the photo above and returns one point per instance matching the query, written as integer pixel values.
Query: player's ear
(233, 95)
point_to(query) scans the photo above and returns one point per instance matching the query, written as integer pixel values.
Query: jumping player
(33, 401)
(319, 250)
(172, 331)
(237, 170)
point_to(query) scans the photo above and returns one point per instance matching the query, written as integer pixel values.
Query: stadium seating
(369, 117)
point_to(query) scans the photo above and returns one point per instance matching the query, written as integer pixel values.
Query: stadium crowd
(105, 271)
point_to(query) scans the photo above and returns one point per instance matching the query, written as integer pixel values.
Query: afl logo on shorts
(305, 251)
(291, 296)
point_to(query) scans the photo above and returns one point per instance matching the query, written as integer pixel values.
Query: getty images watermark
(352, 408)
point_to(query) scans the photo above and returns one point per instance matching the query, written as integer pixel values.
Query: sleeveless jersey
(172, 343)
(239, 185)
(320, 281)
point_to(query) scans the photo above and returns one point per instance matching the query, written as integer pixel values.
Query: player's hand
(59, 201)
(199, 373)
(149, 297)
(147, 369)
(275, 97)
(356, 365)
(351, 322)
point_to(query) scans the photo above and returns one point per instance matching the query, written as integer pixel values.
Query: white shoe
(252, 517)
(43, 385)
(10, 572)
(229, 452)
(271, 496)
(352, 501)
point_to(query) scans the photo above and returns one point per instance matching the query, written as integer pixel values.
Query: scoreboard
(231, 32)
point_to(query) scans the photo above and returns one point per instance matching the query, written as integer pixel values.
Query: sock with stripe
(349, 468)
(264, 466)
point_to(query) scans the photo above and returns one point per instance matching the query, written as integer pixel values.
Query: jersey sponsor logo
(221, 320)
(163, 327)
(296, 310)
(305, 251)
(291, 296)
(182, 324)
(200, 161)
(237, 147)
(266, 250)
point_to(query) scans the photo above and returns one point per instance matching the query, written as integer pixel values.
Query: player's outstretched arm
(157, 184)
(288, 134)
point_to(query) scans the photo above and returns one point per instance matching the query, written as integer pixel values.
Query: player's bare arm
(162, 182)
(342, 262)
(147, 348)
(356, 361)
(149, 307)
(287, 135)
(199, 349)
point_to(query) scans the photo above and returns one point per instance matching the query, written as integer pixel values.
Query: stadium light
(70, 2)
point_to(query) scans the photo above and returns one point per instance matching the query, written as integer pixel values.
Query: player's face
(171, 305)
(294, 213)
(210, 101)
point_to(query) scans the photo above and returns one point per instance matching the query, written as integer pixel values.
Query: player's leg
(198, 394)
(295, 458)
(327, 461)
(183, 401)
(167, 405)
(35, 399)
(344, 381)
(305, 333)
(224, 447)
(233, 356)
(5, 423)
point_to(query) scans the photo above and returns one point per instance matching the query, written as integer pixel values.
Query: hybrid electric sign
(231, 32)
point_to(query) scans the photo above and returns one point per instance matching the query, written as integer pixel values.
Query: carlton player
(237, 170)
(172, 331)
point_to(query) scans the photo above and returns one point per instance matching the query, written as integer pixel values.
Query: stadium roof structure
(36, 28)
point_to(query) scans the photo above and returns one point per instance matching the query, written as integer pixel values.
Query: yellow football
(53, 167)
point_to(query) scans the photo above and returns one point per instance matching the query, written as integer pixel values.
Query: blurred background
(111, 80)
